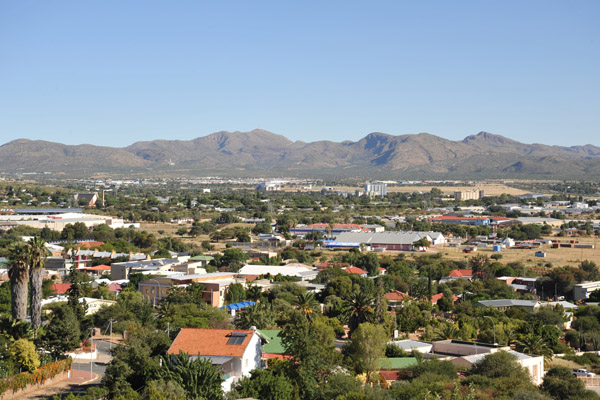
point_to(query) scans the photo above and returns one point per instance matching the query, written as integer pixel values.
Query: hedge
(24, 379)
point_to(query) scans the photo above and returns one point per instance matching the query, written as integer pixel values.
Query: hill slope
(264, 153)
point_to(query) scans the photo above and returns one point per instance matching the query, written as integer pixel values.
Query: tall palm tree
(359, 308)
(37, 253)
(306, 303)
(19, 278)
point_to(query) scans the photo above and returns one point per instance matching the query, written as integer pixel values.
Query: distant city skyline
(113, 73)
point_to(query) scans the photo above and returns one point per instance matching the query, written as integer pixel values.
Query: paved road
(99, 365)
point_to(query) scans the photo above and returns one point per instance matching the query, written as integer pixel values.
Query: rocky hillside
(260, 152)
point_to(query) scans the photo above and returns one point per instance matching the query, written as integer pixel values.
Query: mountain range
(259, 152)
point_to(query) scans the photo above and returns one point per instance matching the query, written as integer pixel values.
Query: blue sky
(115, 72)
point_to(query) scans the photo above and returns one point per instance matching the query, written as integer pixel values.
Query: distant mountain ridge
(259, 152)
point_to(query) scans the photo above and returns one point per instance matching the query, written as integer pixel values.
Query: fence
(590, 380)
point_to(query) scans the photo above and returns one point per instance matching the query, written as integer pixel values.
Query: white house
(235, 352)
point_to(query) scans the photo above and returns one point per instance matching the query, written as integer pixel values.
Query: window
(237, 338)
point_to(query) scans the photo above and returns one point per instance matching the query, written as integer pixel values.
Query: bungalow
(235, 352)
(520, 284)
(505, 304)
(437, 297)
(356, 271)
(533, 364)
(395, 297)
(458, 274)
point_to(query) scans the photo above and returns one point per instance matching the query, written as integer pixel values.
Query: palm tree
(37, 254)
(198, 377)
(534, 344)
(359, 308)
(447, 331)
(19, 278)
(253, 292)
(306, 303)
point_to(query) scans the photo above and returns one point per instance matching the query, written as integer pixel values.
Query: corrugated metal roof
(381, 237)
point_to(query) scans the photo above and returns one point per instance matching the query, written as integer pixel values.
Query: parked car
(583, 372)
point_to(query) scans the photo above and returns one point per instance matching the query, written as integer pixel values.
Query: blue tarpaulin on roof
(237, 306)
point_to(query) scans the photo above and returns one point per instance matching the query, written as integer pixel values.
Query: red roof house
(355, 270)
(437, 297)
(235, 352)
(60, 288)
(396, 296)
(461, 273)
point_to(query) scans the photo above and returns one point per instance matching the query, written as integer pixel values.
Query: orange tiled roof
(60, 288)
(437, 297)
(87, 245)
(395, 295)
(209, 342)
(98, 268)
(459, 273)
(355, 270)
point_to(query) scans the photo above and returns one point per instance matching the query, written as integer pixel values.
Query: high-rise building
(469, 195)
(376, 189)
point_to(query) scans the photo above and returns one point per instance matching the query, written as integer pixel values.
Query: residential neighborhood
(269, 297)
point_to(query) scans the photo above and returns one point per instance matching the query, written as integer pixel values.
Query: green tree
(79, 307)
(136, 361)
(311, 344)
(367, 347)
(499, 364)
(62, 333)
(25, 355)
(560, 383)
(423, 242)
(235, 293)
(266, 384)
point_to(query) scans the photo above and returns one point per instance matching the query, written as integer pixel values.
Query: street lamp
(494, 324)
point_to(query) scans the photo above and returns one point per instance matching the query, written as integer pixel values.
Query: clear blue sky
(115, 72)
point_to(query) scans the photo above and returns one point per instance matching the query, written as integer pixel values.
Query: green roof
(275, 346)
(202, 258)
(397, 363)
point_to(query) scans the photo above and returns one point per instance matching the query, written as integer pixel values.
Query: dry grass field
(557, 257)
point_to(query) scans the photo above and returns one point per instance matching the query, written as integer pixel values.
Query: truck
(583, 372)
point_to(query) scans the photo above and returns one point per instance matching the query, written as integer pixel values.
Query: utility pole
(111, 321)
(91, 352)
